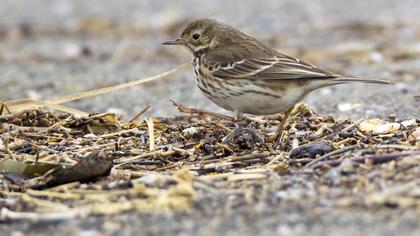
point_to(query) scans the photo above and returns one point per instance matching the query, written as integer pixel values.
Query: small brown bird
(241, 74)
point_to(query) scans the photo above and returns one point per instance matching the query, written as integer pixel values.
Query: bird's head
(198, 35)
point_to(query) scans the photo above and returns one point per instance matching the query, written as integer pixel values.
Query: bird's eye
(196, 36)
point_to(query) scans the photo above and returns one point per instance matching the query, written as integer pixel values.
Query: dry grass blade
(3, 107)
(375, 159)
(6, 214)
(29, 104)
(151, 131)
(96, 92)
(139, 114)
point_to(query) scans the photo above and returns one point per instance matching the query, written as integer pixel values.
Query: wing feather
(271, 68)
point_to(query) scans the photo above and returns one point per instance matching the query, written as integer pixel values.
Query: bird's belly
(248, 97)
(259, 104)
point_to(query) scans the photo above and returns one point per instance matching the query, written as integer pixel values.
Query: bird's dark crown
(205, 25)
(207, 35)
(210, 34)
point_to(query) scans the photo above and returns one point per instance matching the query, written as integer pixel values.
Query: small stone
(295, 143)
(402, 87)
(72, 50)
(348, 106)
(334, 176)
(310, 150)
(376, 57)
(188, 132)
(408, 123)
(415, 136)
(347, 166)
(32, 94)
(115, 110)
(92, 136)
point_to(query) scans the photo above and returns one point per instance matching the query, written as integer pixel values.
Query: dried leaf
(94, 165)
(33, 169)
(28, 104)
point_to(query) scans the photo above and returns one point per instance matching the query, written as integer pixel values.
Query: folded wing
(271, 68)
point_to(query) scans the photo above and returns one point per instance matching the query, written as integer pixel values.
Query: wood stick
(376, 159)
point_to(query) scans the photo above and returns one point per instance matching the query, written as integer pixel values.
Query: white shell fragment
(377, 126)
(190, 131)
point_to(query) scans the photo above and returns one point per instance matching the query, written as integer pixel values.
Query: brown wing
(275, 67)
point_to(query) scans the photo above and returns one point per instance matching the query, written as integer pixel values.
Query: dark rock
(310, 150)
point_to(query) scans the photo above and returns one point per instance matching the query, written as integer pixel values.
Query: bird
(241, 74)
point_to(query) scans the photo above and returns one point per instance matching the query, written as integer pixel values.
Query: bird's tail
(346, 79)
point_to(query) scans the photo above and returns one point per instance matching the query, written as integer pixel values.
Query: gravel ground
(53, 48)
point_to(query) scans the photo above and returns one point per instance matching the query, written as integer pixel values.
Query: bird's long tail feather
(345, 79)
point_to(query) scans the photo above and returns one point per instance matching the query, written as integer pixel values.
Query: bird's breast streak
(243, 95)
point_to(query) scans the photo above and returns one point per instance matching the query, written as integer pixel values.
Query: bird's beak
(177, 41)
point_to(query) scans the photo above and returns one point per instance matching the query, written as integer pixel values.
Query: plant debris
(88, 168)
(161, 164)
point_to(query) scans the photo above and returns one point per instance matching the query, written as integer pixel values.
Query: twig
(6, 214)
(3, 106)
(351, 126)
(248, 157)
(235, 158)
(44, 203)
(276, 158)
(139, 114)
(144, 155)
(5, 118)
(213, 177)
(133, 130)
(12, 127)
(253, 171)
(53, 194)
(250, 176)
(183, 151)
(6, 147)
(224, 146)
(90, 130)
(216, 164)
(151, 130)
(396, 146)
(376, 159)
(59, 125)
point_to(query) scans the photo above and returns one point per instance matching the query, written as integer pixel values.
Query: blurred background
(50, 48)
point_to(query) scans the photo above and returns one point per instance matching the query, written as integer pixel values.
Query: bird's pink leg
(238, 116)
